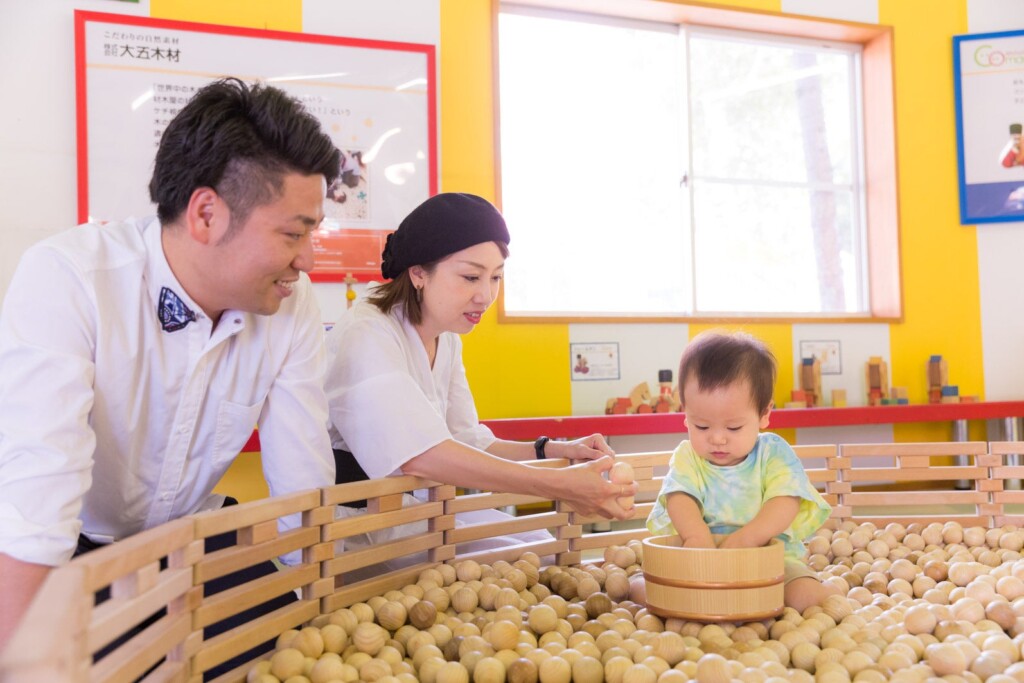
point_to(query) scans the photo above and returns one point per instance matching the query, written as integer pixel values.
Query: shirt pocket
(235, 422)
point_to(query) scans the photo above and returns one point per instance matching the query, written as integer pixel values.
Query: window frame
(879, 169)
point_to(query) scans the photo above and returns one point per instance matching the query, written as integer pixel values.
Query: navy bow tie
(173, 312)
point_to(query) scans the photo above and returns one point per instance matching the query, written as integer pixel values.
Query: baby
(731, 479)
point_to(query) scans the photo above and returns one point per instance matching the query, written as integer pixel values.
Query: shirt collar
(159, 275)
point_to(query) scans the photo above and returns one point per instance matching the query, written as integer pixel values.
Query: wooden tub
(711, 584)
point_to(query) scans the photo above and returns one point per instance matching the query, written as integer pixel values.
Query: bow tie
(173, 312)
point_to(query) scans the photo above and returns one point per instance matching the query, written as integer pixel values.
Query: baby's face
(723, 423)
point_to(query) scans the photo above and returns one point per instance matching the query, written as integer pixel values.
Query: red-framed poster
(376, 99)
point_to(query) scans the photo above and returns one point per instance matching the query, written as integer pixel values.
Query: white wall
(38, 180)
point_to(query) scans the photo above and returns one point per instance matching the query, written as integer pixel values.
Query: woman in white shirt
(399, 399)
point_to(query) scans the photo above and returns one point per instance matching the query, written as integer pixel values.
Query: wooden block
(570, 558)
(258, 533)
(1006, 447)
(318, 589)
(441, 523)
(839, 487)
(115, 617)
(361, 524)
(442, 553)
(223, 647)
(318, 553)
(136, 583)
(222, 562)
(989, 484)
(841, 511)
(132, 659)
(839, 398)
(988, 460)
(990, 508)
(920, 448)
(318, 516)
(388, 503)
(237, 516)
(796, 404)
(240, 598)
(914, 460)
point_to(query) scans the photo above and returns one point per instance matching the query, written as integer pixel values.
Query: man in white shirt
(136, 357)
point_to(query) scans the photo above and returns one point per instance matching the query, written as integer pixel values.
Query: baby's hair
(717, 359)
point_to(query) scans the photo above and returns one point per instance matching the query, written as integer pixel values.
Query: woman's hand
(584, 487)
(588, 448)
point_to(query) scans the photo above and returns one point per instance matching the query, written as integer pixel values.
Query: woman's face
(460, 288)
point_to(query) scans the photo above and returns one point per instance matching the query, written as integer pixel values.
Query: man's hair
(240, 140)
(401, 292)
(716, 360)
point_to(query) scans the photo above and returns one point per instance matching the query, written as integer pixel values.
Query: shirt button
(166, 496)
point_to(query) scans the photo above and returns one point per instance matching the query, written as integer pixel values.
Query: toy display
(810, 380)
(938, 377)
(877, 376)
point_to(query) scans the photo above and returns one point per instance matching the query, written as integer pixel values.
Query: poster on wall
(989, 90)
(376, 99)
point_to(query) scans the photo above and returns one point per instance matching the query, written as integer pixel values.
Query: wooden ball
(309, 642)
(369, 638)
(503, 635)
(638, 673)
(945, 659)
(287, 663)
(621, 473)
(423, 614)
(391, 615)
(327, 669)
(521, 670)
(489, 670)
(555, 670)
(468, 570)
(452, 672)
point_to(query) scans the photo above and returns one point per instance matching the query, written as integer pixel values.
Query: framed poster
(376, 99)
(989, 91)
(594, 361)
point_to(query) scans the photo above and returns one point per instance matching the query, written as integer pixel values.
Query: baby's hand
(699, 541)
(738, 539)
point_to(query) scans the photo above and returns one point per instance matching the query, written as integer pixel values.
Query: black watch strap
(538, 446)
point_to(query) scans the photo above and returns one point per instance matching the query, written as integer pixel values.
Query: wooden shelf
(524, 429)
(529, 428)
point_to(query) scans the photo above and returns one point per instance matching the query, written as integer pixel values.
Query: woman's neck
(429, 340)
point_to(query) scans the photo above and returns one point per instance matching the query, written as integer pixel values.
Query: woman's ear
(417, 275)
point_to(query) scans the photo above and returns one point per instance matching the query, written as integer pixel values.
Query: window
(663, 170)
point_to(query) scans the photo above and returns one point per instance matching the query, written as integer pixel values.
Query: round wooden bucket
(710, 584)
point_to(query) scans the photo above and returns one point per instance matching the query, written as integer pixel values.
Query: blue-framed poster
(989, 89)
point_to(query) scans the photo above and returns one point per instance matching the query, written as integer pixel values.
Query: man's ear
(203, 214)
(767, 413)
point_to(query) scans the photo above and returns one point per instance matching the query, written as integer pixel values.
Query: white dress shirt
(111, 425)
(387, 404)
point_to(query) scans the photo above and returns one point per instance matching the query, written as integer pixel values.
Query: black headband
(442, 225)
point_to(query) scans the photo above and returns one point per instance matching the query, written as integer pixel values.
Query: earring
(419, 295)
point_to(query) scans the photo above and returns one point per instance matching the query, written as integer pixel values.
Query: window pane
(591, 156)
(760, 249)
(770, 111)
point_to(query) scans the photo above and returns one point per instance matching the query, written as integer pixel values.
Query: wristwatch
(538, 446)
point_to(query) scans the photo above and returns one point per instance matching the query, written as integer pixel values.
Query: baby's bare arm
(686, 517)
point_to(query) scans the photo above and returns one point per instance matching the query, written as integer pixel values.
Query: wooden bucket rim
(663, 542)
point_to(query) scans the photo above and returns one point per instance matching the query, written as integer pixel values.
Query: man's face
(255, 268)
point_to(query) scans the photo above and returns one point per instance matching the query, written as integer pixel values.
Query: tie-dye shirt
(732, 496)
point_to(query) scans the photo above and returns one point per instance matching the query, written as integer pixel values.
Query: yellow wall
(939, 257)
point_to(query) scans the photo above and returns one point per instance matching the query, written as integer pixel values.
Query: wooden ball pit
(168, 567)
(711, 584)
